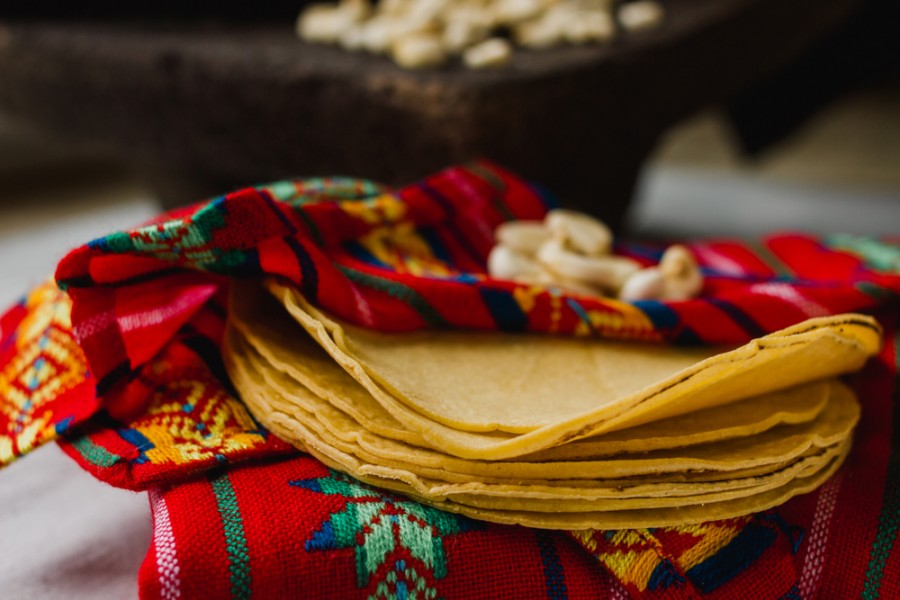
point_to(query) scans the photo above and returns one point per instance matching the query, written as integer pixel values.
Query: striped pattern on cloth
(124, 364)
(415, 258)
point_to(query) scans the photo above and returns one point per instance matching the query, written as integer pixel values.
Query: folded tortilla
(260, 386)
(267, 390)
(553, 432)
(266, 329)
(812, 350)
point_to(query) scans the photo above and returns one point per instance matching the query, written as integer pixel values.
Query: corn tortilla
(267, 330)
(282, 416)
(812, 350)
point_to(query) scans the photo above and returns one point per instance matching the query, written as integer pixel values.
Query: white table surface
(65, 535)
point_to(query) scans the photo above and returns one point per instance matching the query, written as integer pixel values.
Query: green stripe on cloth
(497, 184)
(397, 290)
(94, 454)
(311, 225)
(874, 291)
(889, 520)
(877, 255)
(235, 540)
(770, 259)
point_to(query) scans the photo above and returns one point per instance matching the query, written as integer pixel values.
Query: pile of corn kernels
(419, 34)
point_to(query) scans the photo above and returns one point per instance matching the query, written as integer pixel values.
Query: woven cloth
(295, 529)
(45, 384)
(124, 363)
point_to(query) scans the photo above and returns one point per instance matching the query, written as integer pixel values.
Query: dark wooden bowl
(206, 108)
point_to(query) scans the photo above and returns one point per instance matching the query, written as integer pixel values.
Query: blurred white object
(689, 203)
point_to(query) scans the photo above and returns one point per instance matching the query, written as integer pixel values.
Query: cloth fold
(122, 361)
(415, 258)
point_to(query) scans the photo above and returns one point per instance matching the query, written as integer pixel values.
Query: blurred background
(733, 118)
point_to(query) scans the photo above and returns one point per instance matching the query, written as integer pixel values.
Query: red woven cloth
(126, 364)
(45, 384)
(293, 528)
(416, 258)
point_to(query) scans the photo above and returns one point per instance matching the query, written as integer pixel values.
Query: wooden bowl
(206, 108)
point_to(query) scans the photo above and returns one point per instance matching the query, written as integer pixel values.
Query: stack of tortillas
(549, 431)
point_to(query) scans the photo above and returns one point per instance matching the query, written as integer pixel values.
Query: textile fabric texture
(124, 363)
(45, 383)
(296, 529)
(293, 528)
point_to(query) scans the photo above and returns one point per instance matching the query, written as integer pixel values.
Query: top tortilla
(267, 328)
(522, 384)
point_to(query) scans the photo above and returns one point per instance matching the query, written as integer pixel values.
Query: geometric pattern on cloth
(391, 537)
(293, 528)
(321, 531)
(415, 258)
(45, 385)
(190, 422)
(842, 541)
(697, 559)
(852, 546)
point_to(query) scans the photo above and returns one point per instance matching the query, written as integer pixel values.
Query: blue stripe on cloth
(737, 315)
(272, 203)
(139, 441)
(360, 253)
(504, 309)
(100, 244)
(651, 252)
(309, 286)
(582, 314)
(664, 576)
(665, 319)
(458, 234)
(662, 317)
(436, 245)
(466, 278)
(438, 198)
(727, 563)
(553, 568)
